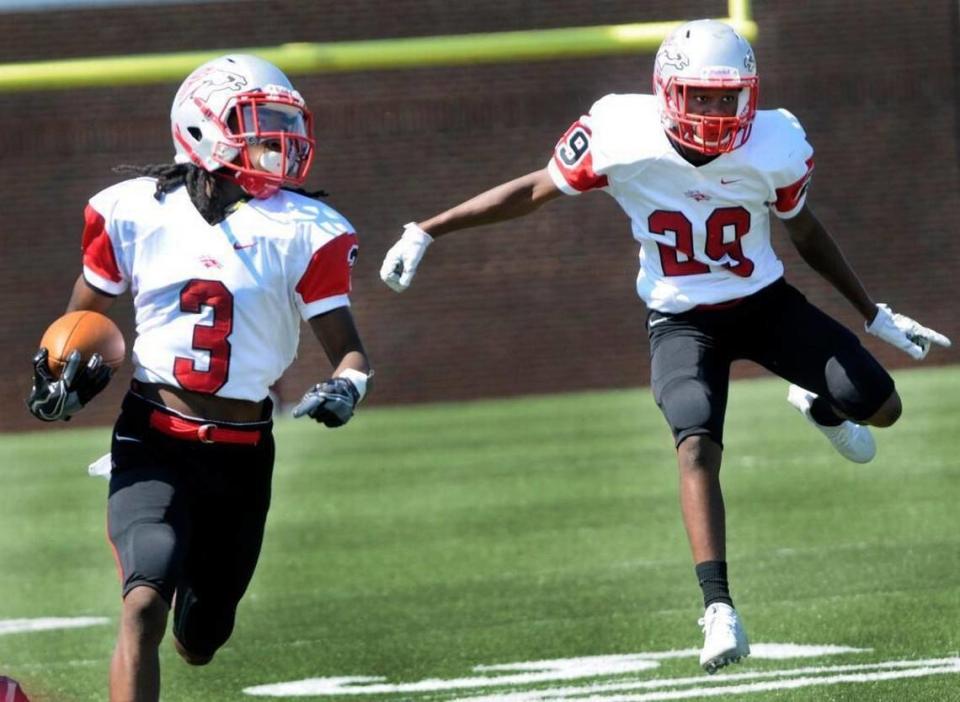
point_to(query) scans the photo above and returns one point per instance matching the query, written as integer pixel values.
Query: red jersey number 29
(211, 338)
(725, 227)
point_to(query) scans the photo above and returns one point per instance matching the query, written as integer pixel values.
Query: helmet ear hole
(195, 133)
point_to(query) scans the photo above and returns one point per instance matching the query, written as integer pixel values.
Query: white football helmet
(237, 101)
(706, 54)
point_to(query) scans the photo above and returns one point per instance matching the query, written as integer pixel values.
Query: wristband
(359, 380)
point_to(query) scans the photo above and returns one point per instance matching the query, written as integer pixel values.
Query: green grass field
(418, 543)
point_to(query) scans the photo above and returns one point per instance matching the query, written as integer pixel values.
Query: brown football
(90, 332)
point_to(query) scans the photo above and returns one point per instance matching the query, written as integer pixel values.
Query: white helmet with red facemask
(236, 102)
(706, 54)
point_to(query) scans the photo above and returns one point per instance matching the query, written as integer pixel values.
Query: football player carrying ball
(223, 256)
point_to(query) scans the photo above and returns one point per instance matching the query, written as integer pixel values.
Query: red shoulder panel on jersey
(97, 249)
(328, 272)
(789, 196)
(573, 157)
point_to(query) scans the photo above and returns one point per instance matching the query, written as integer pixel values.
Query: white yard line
(19, 626)
(786, 684)
(544, 671)
(886, 670)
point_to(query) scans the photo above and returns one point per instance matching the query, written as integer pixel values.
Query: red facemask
(710, 134)
(284, 128)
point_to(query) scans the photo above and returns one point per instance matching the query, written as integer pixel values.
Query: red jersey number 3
(212, 338)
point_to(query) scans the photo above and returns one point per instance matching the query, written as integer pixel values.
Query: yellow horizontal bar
(367, 55)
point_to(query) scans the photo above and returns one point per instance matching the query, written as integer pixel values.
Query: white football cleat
(853, 441)
(724, 641)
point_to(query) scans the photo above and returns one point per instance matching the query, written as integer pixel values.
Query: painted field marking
(786, 684)
(19, 626)
(533, 673)
(825, 675)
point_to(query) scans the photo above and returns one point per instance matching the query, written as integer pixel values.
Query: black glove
(53, 398)
(331, 402)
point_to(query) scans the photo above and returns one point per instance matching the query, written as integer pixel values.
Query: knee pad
(201, 627)
(690, 409)
(858, 389)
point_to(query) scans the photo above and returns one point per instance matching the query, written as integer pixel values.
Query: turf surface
(419, 542)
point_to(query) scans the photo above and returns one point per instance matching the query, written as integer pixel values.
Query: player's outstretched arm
(823, 254)
(333, 401)
(509, 200)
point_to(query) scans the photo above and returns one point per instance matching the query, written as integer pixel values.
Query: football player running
(698, 170)
(223, 258)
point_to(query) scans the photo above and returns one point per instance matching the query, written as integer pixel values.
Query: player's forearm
(823, 255)
(84, 297)
(510, 200)
(354, 360)
(337, 333)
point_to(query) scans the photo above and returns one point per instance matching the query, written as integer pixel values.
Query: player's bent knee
(862, 390)
(201, 628)
(889, 412)
(190, 657)
(687, 405)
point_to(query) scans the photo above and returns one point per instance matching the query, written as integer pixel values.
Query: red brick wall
(539, 305)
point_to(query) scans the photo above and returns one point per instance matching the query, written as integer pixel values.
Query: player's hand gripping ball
(84, 331)
(77, 356)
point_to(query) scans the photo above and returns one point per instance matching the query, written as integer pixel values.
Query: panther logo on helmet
(203, 84)
(670, 55)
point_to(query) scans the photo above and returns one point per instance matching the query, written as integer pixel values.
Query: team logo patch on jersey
(353, 254)
(697, 195)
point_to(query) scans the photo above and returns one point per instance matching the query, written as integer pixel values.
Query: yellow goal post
(367, 55)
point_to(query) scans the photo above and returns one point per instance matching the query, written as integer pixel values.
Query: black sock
(713, 581)
(822, 413)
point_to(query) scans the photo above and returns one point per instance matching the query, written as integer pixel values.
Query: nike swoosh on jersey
(238, 246)
(128, 438)
(657, 321)
(723, 181)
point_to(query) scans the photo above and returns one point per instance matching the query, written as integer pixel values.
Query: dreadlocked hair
(312, 194)
(202, 187)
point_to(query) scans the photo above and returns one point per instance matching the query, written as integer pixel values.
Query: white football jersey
(704, 231)
(218, 308)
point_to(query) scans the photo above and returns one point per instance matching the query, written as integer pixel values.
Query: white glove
(904, 333)
(400, 263)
